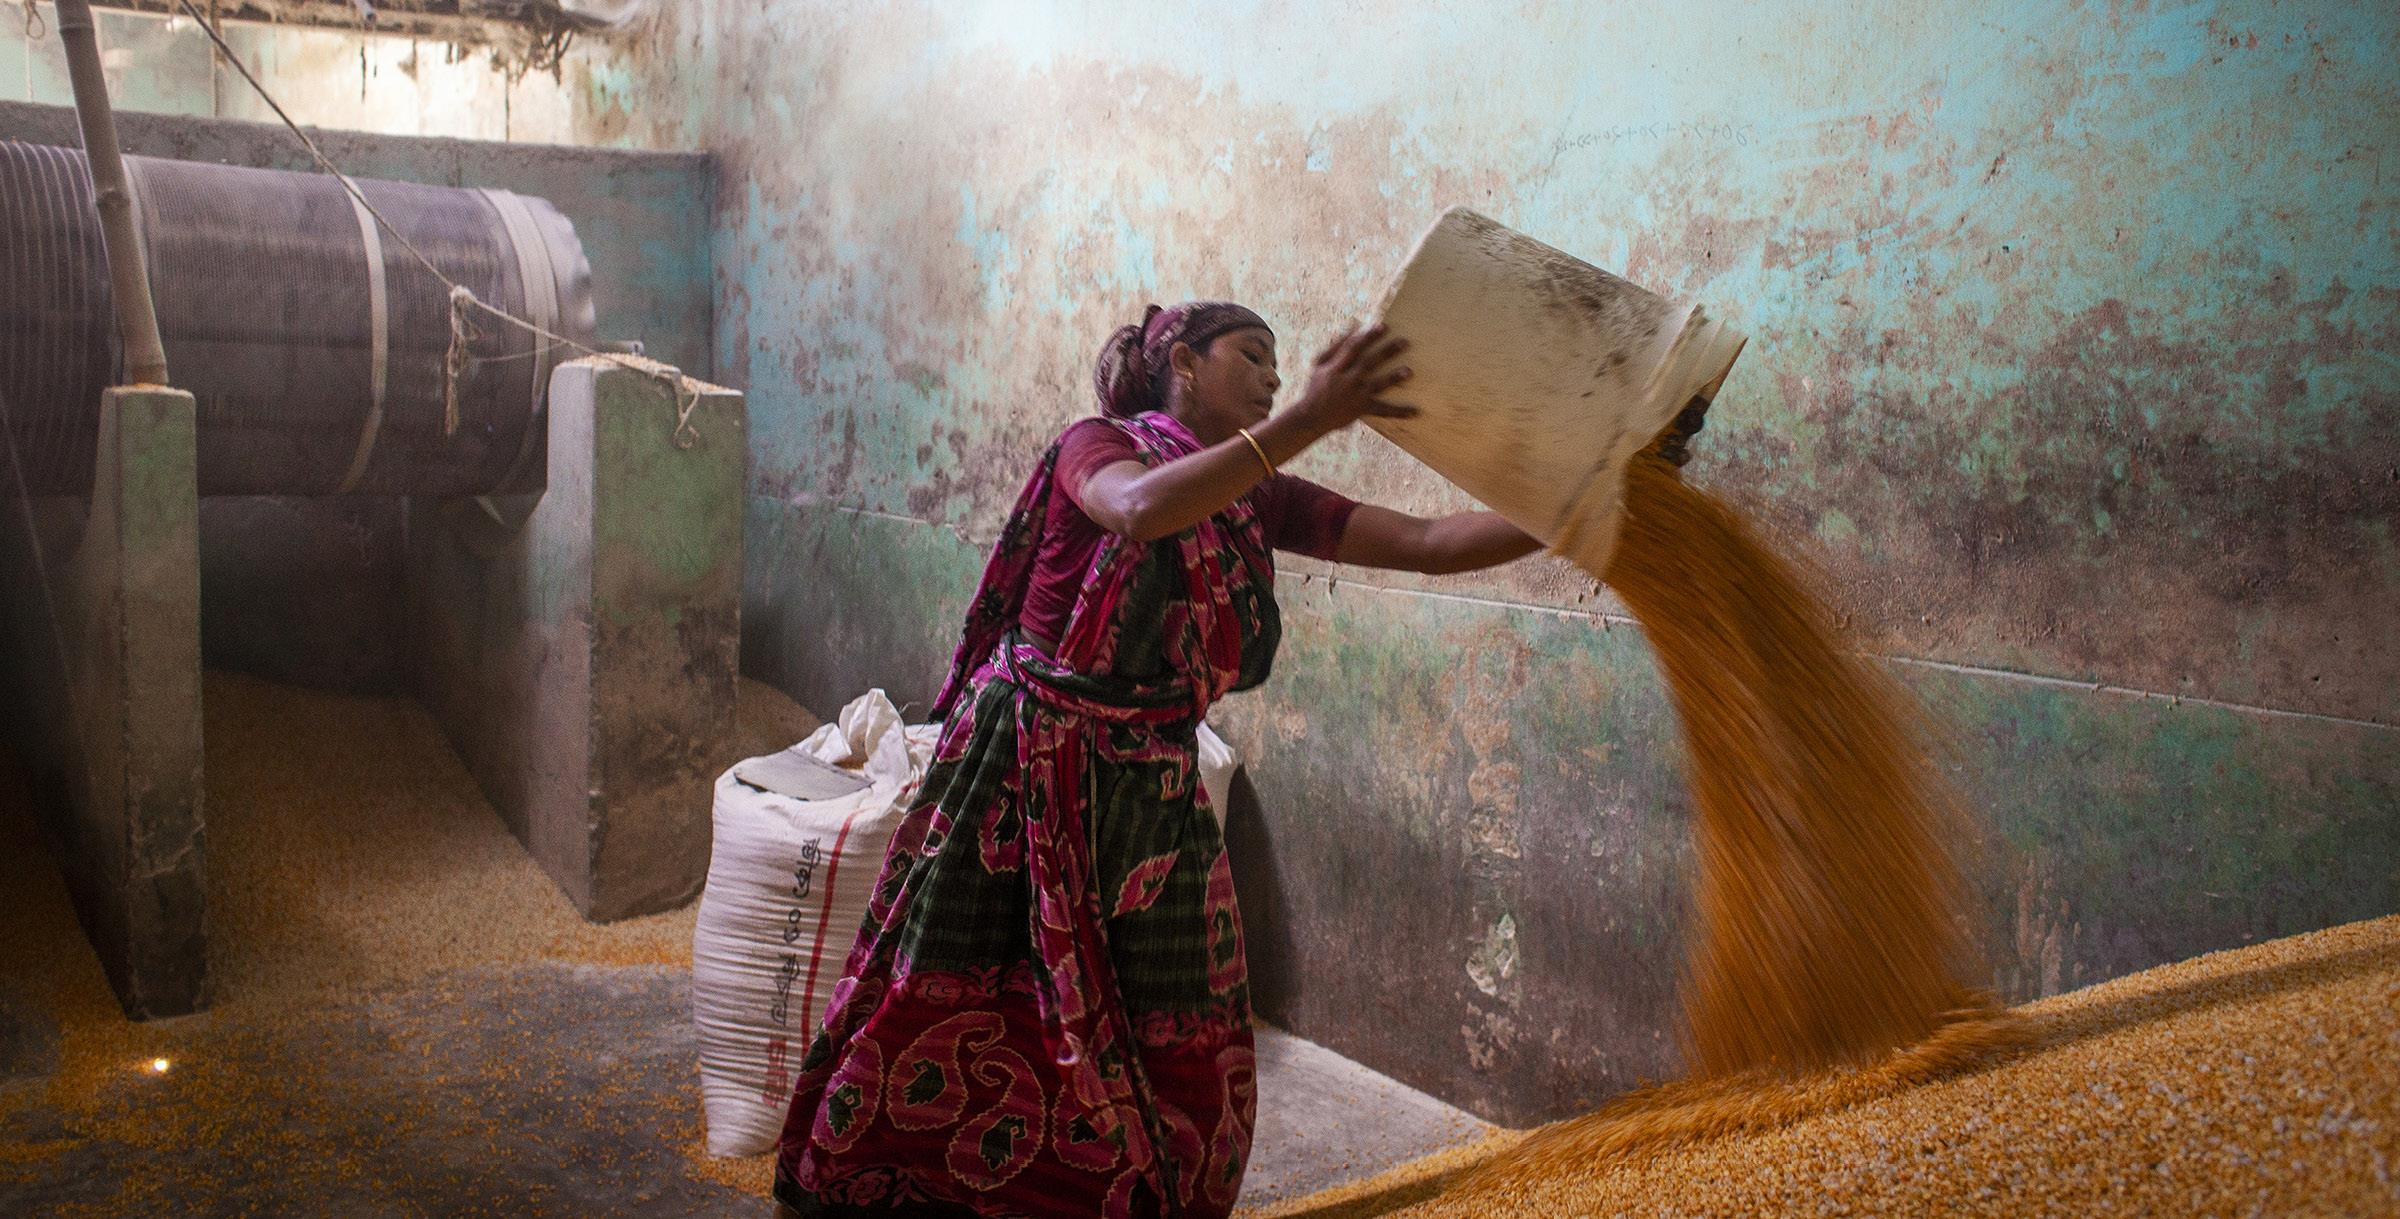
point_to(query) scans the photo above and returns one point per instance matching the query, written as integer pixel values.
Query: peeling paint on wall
(390, 84)
(2067, 328)
(2071, 332)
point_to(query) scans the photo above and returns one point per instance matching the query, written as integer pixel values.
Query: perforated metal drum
(315, 344)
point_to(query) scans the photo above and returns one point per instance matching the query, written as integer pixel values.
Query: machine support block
(580, 647)
(103, 641)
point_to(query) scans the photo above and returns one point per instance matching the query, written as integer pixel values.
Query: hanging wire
(33, 536)
(684, 391)
(34, 29)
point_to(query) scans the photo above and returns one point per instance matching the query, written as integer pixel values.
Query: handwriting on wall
(1739, 134)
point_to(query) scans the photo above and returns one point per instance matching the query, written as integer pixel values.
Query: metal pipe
(137, 320)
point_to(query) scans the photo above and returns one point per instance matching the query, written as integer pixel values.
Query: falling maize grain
(1827, 929)
(1828, 925)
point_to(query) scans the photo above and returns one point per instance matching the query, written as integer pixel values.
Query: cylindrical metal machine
(316, 346)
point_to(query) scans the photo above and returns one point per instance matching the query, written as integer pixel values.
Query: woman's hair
(1132, 375)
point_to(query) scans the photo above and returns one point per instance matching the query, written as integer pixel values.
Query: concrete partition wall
(579, 647)
(103, 649)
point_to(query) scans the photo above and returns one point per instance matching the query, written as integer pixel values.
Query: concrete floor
(541, 1089)
(563, 1083)
(537, 1089)
(1324, 1120)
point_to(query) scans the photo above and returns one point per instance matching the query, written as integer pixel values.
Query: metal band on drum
(379, 344)
(541, 304)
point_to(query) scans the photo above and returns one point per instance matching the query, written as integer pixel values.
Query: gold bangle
(1244, 433)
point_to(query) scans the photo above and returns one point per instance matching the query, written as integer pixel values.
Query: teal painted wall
(2071, 368)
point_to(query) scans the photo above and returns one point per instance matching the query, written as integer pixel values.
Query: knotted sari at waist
(1159, 703)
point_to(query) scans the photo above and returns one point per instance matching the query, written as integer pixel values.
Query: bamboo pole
(137, 320)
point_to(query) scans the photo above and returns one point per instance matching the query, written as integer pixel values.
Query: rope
(684, 391)
(454, 363)
(685, 435)
(34, 29)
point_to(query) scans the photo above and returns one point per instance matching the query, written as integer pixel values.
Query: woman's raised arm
(1344, 385)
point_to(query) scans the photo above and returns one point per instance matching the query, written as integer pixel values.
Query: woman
(1047, 1011)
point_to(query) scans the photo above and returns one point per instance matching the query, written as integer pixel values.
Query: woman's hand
(1347, 382)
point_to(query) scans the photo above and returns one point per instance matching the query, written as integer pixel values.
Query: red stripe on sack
(816, 956)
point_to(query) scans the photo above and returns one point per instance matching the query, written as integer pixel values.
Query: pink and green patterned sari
(1048, 1011)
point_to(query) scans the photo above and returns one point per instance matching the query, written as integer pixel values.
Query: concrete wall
(324, 77)
(309, 590)
(2070, 364)
(581, 647)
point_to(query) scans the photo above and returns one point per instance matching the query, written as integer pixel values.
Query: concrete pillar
(103, 640)
(580, 646)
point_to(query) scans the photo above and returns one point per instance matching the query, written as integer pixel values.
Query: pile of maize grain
(2256, 1081)
(350, 855)
(379, 860)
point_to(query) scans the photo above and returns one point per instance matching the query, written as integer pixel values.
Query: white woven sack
(787, 888)
(788, 882)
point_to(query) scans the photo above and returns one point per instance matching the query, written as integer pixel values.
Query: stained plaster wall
(323, 76)
(2066, 368)
(310, 590)
(2070, 365)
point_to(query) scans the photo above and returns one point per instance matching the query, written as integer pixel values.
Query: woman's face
(1230, 382)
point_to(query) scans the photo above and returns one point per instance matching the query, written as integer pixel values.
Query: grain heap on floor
(2257, 1081)
(353, 865)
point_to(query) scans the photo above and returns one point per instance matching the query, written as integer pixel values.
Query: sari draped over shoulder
(1047, 1010)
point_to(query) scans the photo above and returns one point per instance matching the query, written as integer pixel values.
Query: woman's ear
(1183, 365)
(1182, 360)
